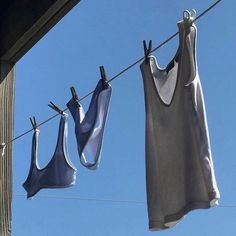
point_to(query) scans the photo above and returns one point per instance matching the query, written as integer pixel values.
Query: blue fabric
(59, 172)
(89, 127)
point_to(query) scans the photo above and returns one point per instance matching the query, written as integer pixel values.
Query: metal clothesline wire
(103, 200)
(113, 78)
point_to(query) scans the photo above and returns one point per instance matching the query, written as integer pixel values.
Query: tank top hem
(173, 219)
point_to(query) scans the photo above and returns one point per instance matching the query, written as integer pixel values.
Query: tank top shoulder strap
(188, 33)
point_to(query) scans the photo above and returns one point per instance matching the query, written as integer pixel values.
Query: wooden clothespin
(33, 123)
(147, 50)
(103, 75)
(74, 95)
(56, 108)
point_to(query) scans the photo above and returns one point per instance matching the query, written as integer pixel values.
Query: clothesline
(102, 200)
(3, 145)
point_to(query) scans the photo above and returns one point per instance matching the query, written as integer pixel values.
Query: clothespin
(147, 50)
(2, 148)
(103, 75)
(33, 123)
(74, 95)
(56, 108)
(73, 92)
(189, 16)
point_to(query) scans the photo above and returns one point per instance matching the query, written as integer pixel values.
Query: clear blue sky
(110, 33)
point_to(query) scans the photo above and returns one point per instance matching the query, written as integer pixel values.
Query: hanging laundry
(179, 167)
(60, 172)
(89, 127)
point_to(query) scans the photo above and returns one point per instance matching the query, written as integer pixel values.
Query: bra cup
(59, 172)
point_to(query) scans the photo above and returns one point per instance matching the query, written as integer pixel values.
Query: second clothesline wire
(103, 200)
(90, 93)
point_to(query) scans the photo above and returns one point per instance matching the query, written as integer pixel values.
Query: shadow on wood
(23, 23)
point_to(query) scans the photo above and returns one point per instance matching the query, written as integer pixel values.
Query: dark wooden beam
(25, 22)
(7, 91)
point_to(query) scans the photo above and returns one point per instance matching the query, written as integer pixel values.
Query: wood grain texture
(7, 88)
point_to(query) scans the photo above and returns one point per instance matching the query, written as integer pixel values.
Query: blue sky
(110, 33)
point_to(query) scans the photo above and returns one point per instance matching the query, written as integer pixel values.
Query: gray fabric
(89, 127)
(179, 167)
(59, 172)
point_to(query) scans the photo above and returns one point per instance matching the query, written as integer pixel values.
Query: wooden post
(7, 88)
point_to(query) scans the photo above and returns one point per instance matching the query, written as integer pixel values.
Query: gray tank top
(59, 172)
(179, 168)
(89, 126)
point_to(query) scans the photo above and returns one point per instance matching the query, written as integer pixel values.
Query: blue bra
(59, 172)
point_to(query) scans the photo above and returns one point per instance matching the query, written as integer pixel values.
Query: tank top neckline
(171, 65)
